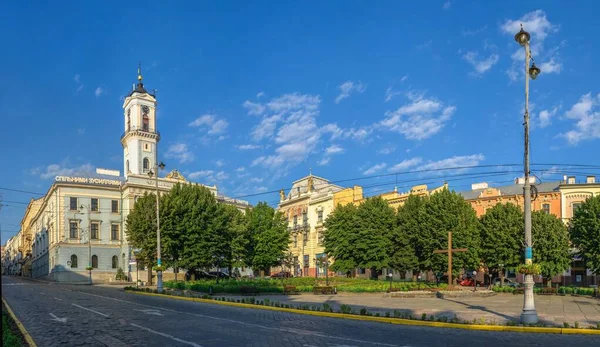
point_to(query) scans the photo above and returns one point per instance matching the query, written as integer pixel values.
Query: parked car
(282, 274)
(219, 274)
(507, 283)
(199, 274)
(468, 282)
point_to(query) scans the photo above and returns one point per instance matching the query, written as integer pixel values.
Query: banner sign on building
(87, 180)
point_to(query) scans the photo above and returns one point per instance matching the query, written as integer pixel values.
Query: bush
(120, 275)
(346, 309)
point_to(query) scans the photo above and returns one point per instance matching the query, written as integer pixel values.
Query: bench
(290, 290)
(248, 290)
(323, 290)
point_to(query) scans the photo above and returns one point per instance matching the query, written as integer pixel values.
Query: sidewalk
(552, 310)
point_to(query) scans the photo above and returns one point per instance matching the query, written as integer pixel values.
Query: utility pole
(89, 242)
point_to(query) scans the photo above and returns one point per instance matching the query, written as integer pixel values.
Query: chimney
(571, 180)
(521, 180)
(590, 179)
(482, 185)
(565, 179)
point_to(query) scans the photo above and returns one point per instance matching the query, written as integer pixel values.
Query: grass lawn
(11, 336)
(303, 284)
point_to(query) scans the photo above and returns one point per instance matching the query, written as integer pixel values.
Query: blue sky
(254, 94)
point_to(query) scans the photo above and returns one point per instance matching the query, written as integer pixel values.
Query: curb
(398, 321)
(12, 315)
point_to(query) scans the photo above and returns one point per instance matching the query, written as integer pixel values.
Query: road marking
(57, 298)
(54, 317)
(167, 335)
(288, 330)
(151, 312)
(42, 293)
(89, 309)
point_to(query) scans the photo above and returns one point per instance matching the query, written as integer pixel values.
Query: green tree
(407, 248)
(447, 211)
(550, 244)
(268, 237)
(141, 230)
(341, 236)
(585, 232)
(375, 221)
(230, 239)
(502, 231)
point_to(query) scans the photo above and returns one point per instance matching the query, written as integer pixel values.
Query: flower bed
(548, 291)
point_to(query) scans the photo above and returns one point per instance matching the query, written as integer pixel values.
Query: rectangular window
(295, 220)
(320, 216)
(304, 218)
(546, 208)
(306, 260)
(575, 206)
(73, 204)
(94, 230)
(295, 240)
(114, 232)
(321, 238)
(305, 239)
(73, 226)
(114, 206)
(94, 205)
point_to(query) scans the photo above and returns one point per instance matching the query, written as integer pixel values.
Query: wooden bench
(290, 290)
(248, 290)
(323, 290)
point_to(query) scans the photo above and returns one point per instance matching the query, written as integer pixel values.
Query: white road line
(288, 330)
(57, 298)
(89, 309)
(167, 335)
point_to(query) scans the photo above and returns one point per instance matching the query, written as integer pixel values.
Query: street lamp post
(529, 314)
(474, 281)
(390, 275)
(159, 281)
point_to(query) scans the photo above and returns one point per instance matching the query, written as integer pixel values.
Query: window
(95, 261)
(546, 208)
(115, 261)
(146, 164)
(295, 221)
(145, 123)
(73, 226)
(114, 232)
(320, 216)
(304, 218)
(73, 204)
(114, 206)
(306, 260)
(575, 206)
(94, 205)
(305, 239)
(94, 228)
(128, 120)
(296, 240)
(73, 261)
(321, 238)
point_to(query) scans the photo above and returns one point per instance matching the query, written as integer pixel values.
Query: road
(69, 315)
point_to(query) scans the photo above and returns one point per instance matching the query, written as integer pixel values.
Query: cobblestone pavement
(63, 315)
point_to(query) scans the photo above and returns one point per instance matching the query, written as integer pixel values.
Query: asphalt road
(68, 315)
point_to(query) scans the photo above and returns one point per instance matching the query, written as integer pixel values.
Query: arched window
(115, 261)
(146, 164)
(145, 123)
(127, 166)
(73, 261)
(95, 261)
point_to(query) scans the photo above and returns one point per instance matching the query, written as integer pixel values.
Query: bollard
(210, 292)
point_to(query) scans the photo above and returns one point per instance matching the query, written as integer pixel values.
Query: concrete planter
(413, 294)
(464, 293)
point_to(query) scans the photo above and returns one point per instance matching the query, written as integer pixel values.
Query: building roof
(319, 184)
(513, 189)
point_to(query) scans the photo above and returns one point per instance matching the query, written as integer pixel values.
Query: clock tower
(140, 138)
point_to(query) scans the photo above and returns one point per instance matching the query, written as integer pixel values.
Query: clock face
(145, 109)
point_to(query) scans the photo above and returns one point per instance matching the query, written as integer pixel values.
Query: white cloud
(324, 161)
(551, 66)
(424, 45)
(220, 163)
(387, 150)
(539, 27)
(390, 93)
(210, 123)
(209, 176)
(240, 169)
(81, 131)
(420, 119)
(587, 125)
(456, 163)
(447, 5)
(265, 128)
(260, 94)
(374, 169)
(206, 119)
(481, 65)
(248, 147)
(254, 108)
(544, 118)
(348, 88)
(405, 164)
(180, 152)
(404, 78)
(357, 134)
(99, 91)
(466, 33)
(62, 169)
(77, 80)
(334, 149)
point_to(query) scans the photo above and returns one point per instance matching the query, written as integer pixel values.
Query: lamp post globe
(534, 71)
(522, 37)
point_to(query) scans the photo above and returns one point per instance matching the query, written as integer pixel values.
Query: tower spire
(139, 77)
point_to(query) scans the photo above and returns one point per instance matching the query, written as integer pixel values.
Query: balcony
(142, 131)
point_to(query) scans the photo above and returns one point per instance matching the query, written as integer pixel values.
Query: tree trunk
(149, 269)
(502, 278)
(415, 273)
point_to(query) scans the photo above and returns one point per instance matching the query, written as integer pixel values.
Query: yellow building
(27, 234)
